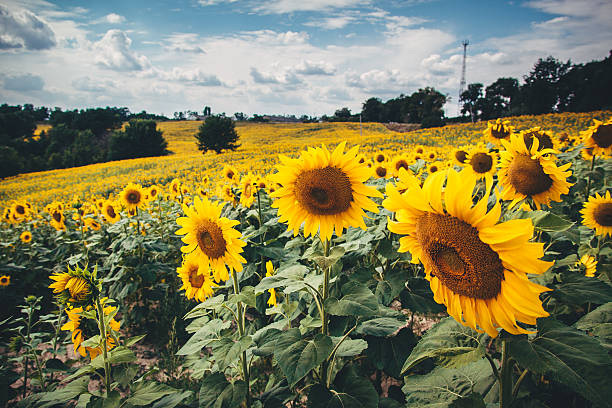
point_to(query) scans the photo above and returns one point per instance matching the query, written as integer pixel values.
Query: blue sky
(278, 56)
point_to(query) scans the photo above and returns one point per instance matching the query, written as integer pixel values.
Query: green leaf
(217, 392)
(115, 356)
(213, 303)
(451, 343)
(578, 289)
(418, 297)
(548, 222)
(62, 395)
(349, 390)
(144, 393)
(569, 357)
(384, 292)
(172, 400)
(388, 353)
(357, 300)
(292, 277)
(227, 351)
(55, 364)
(124, 375)
(133, 340)
(325, 262)
(349, 347)
(599, 324)
(449, 387)
(380, 327)
(246, 296)
(204, 336)
(297, 356)
(265, 339)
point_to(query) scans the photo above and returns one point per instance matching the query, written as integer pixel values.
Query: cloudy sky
(278, 56)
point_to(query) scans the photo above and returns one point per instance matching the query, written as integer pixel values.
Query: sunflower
(380, 158)
(590, 265)
(20, 211)
(433, 167)
(529, 172)
(111, 212)
(198, 283)
(475, 265)
(175, 188)
(270, 272)
(81, 329)
(459, 156)
(93, 224)
(132, 196)
(230, 174)
(498, 131)
(323, 190)
(249, 189)
(480, 163)
(57, 220)
(399, 162)
(5, 280)
(380, 170)
(431, 155)
(544, 137)
(597, 214)
(211, 238)
(152, 193)
(25, 237)
(599, 137)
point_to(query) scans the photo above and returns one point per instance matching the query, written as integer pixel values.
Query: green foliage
(141, 138)
(217, 133)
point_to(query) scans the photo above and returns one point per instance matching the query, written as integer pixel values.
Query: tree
(425, 107)
(372, 110)
(141, 138)
(540, 93)
(217, 133)
(343, 115)
(499, 97)
(240, 116)
(470, 98)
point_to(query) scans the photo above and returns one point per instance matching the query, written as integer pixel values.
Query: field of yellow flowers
(319, 265)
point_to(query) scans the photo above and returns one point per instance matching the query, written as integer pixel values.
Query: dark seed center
(527, 176)
(603, 214)
(325, 191)
(603, 136)
(481, 162)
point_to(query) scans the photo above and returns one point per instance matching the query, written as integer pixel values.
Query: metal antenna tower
(465, 43)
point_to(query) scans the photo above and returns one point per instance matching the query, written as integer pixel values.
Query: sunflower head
(324, 190)
(531, 172)
(589, 263)
(230, 174)
(153, 192)
(197, 282)
(545, 138)
(476, 266)
(399, 162)
(5, 280)
(380, 158)
(58, 219)
(380, 171)
(599, 137)
(460, 156)
(597, 214)
(77, 286)
(132, 196)
(211, 238)
(110, 211)
(498, 131)
(26, 237)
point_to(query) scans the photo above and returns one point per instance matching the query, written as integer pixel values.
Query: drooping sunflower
(132, 197)
(530, 172)
(590, 265)
(25, 237)
(475, 265)
(197, 282)
(83, 327)
(599, 137)
(5, 280)
(110, 211)
(270, 272)
(323, 190)
(597, 214)
(211, 238)
(545, 138)
(498, 131)
(77, 286)
(481, 163)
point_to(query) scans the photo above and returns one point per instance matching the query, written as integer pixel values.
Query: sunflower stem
(588, 186)
(240, 322)
(324, 317)
(102, 327)
(505, 379)
(518, 383)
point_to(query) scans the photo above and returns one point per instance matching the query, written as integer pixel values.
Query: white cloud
(113, 52)
(308, 67)
(23, 82)
(291, 6)
(87, 84)
(271, 37)
(23, 29)
(114, 18)
(331, 23)
(184, 42)
(214, 2)
(380, 82)
(192, 76)
(273, 78)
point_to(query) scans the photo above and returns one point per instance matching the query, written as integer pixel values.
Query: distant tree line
(551, 86)
(76, 138)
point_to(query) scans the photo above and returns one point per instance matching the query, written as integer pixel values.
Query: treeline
(424, 107)
(551, 86)
(76, 138)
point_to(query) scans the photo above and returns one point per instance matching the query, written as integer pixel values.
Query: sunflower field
(319, 265)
